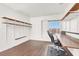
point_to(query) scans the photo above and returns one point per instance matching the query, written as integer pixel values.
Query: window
(54, 24)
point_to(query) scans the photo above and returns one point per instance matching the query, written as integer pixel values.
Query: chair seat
(57, 42)
(55, 51)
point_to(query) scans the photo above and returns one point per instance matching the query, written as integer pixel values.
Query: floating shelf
(72, 32)
(74, 11)
(16, 20)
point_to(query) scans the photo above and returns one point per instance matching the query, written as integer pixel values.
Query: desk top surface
(67, 41)
(75, 52)
(70, 44)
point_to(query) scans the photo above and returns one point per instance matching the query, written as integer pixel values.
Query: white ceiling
(39, 9)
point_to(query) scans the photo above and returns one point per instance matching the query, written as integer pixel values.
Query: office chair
(51, 36)
(56, 42)
(57, 48)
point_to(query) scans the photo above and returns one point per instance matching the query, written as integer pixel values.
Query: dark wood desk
(71, 45)
(68, 42)
(73, 51)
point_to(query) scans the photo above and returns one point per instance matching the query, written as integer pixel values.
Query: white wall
(71, 24)
(3, 43)
(36, 28)
(5, 30)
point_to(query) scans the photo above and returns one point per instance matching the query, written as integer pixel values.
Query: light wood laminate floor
(29, 48)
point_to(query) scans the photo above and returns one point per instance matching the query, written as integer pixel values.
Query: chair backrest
(51, 36)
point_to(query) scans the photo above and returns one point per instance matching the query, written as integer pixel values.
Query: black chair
(57, 49)
(56, 42)
(51, 36)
